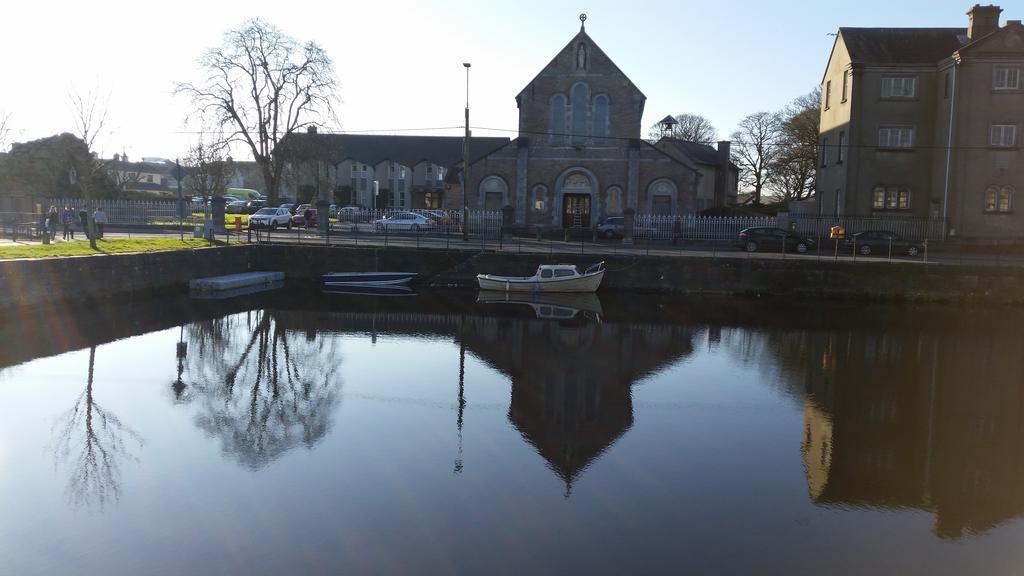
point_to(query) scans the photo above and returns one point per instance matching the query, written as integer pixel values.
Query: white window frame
(896, 137)
(1002, 75)
(899, 87)
(1002, 135)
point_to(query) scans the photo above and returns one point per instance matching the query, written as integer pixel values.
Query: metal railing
(662, 228)
(907, 227)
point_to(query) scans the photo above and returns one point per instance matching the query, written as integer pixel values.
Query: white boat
(367, 278)
(548, 278)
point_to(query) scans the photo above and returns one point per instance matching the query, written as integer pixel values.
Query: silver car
(409, 221)
(271, 218)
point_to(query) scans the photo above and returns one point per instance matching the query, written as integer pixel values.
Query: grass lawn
(103, 246)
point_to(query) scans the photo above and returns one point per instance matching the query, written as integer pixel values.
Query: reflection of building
(571, 396)
(910, 419)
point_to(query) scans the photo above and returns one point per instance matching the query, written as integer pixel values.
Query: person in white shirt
(100, 218)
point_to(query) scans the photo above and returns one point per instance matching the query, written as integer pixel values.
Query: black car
(773, 239)
(880, 241)
(253, 206)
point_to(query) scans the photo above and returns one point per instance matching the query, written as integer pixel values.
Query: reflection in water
(910, 418)
(261, 390)
(91, 442)
(571, 396)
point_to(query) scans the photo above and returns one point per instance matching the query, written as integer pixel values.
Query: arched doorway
(493, 193)
(577, 191)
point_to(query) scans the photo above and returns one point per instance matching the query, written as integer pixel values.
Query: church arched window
(600, 116)
(558, 130)
(580, 102)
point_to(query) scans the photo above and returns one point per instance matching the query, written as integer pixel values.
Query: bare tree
(5, 130)
(90, 115)
(755, 148)
(207, 167)
(795, 167)
(690, 127)
(263, 86)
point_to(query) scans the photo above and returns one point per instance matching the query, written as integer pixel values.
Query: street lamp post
(465, 165)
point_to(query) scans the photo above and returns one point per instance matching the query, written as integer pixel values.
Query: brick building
(579, 155)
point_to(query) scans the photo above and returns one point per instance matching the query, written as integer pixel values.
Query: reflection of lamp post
(465, 164)
(181, 352)
(462, 392)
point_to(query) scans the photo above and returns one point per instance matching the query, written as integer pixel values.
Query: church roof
(582, 36)
(696, 151)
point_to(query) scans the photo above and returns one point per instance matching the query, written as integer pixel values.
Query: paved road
(586, 248)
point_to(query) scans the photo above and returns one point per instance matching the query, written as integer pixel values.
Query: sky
(399, 62)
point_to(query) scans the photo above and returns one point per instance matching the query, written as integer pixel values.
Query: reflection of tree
(92, 441)
(261, 391)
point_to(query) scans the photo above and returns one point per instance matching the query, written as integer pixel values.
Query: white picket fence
(657, 227)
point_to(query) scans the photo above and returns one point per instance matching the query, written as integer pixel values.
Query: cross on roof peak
(583, 22)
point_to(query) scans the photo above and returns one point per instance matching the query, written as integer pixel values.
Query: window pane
(879, 201)
(1005, 199)
(990, 199)
(891, 198)
(904, 199)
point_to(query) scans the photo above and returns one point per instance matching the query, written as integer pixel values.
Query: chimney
(722, 173)
(982, 20)
(310, 129)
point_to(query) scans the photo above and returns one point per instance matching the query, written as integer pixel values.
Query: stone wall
(31, 283)
(59, 282)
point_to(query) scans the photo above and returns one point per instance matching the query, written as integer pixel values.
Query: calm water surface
(302, 433)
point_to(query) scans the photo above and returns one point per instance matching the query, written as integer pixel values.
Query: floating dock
(235, 281)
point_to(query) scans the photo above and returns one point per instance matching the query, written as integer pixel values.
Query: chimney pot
(982, 20)
(311, 129)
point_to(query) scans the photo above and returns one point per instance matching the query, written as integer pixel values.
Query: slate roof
(374, 149)
(902, 45)
(699, 153)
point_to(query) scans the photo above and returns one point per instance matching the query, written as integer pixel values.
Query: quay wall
(66, 280)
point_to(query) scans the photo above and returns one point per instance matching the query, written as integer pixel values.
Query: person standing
(67, 218)
(100, 218)
(307, 216)
(51, 222)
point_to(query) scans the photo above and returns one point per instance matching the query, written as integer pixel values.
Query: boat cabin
(548, 271)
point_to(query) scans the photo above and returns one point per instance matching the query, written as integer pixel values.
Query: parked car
(229, 199)
(773, 240)
(237, 207)
(611, 227)
(332, 211)
(299, 218)
(291, 206)
(403, 221)
(879, 241)
(271, 218)
(253, 206)
(350, 213)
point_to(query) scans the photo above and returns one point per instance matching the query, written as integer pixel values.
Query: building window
(846, 85)
(890, 198)
(899, 87)
(824, 152)
(998, 199)
(580, 101)
(558, 120)
(600, 116)
(895, 137)
(1005, 78)
(540, 192)
(149, 177)
(841, 147)
(828, 95)
(614, 200)
(1002, 135)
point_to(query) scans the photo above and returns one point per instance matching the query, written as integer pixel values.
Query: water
(302, 433)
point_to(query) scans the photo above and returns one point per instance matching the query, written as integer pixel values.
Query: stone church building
(579, 155)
